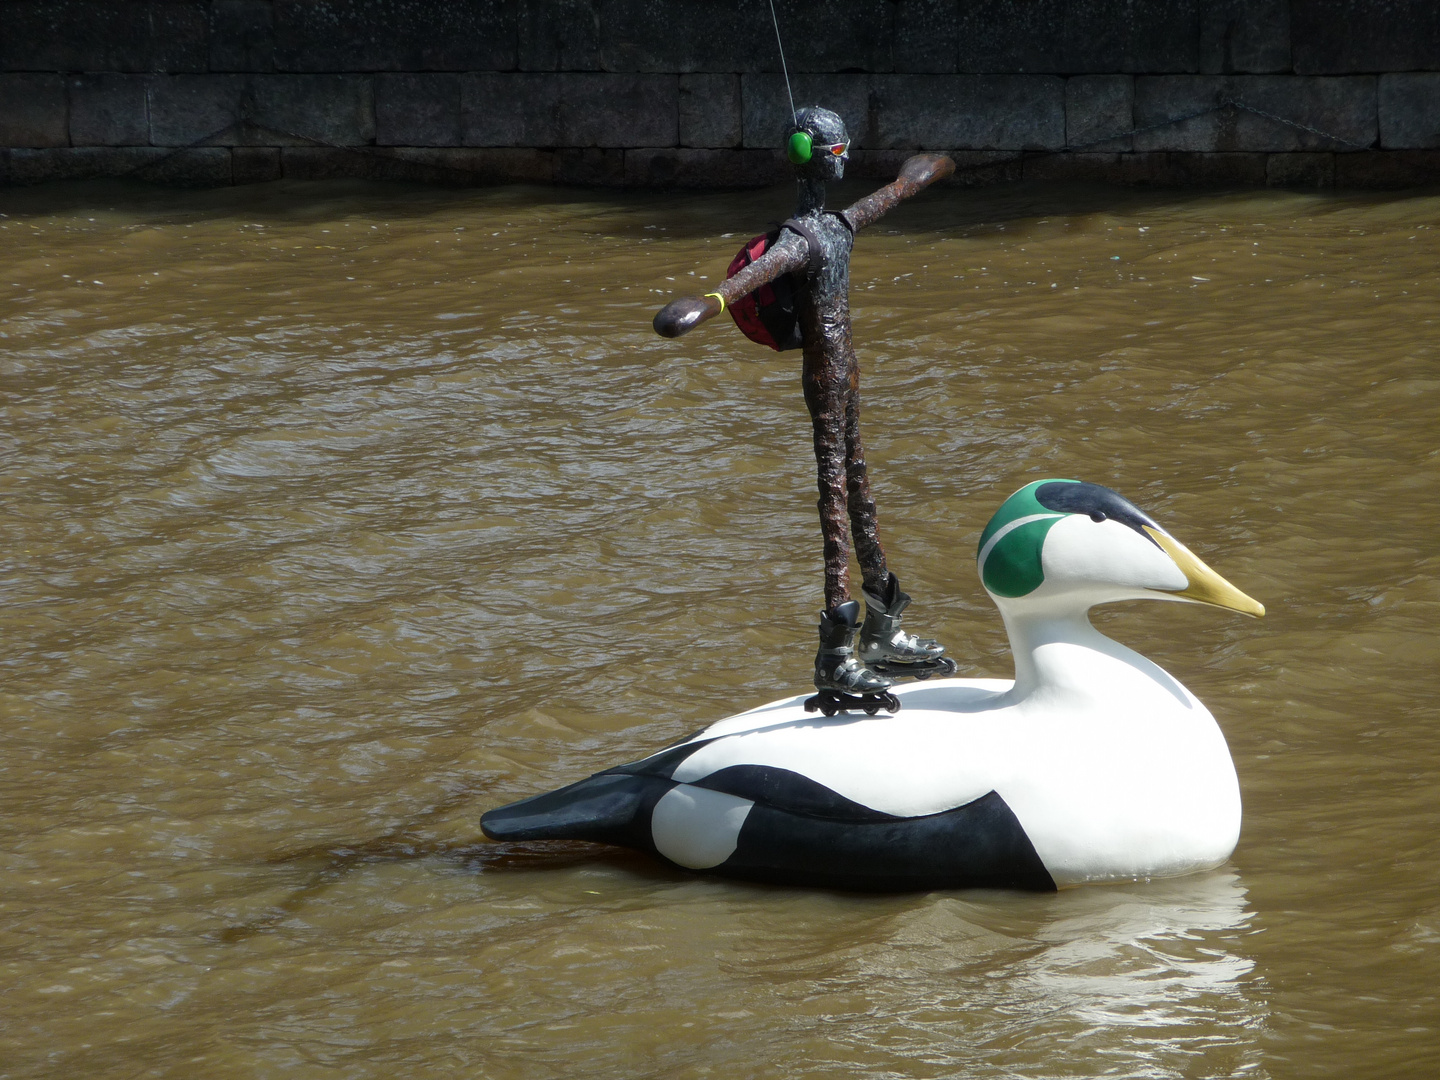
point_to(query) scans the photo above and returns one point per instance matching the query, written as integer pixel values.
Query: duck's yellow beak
(1206, 586)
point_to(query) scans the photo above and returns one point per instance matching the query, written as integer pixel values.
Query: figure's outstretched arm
(917, 173)
(789, 252)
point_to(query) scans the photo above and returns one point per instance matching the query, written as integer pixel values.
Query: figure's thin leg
(864, 522)
(837, 671)
(884, 647)
(824, 396)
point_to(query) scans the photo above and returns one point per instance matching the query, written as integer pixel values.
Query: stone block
(1079, 36)
(703, 35)
(242, 37)
(255, 164)
(986, 168)
(1097, 108)
(33, 110)
(1344, 109)
(972, 112)
(590, 167)
(1114, 35)
(74, 35)
(1004, 36)
(1090, 168)
(926, 37)
(619, 110)
(395, 35)
(1218, 170)
(683, 36)
(830, 35)
(109, 110)
(1244, 36)
(417, 110)
(765, 106)
(1410, 110)
(93, 35)
(207, 166)
(336, 109)
(709, 110)
(179, 36)
(341, 162)
(509, 109)
(575, 109)
(704, 168)
(200, 166)
(1338, 37)
(40, 166)
(559, 35)
(1388, 169)
(187, 108)
(1300, 170)
(467, 166)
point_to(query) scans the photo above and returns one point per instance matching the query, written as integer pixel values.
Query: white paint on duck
(1113, 768)
(698, 828)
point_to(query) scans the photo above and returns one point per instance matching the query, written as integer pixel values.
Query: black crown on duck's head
(817, 144)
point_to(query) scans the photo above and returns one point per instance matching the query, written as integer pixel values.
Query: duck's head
(1079, 544)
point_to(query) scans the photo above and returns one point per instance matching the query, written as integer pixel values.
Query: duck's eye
(1097, 515)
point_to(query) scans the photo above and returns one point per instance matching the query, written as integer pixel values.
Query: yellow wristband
(717, 296)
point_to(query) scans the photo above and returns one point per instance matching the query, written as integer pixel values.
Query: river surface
(334, 515)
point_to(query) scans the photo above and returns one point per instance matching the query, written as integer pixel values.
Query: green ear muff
(798, 148)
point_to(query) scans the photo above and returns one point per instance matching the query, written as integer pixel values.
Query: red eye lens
(839, 149)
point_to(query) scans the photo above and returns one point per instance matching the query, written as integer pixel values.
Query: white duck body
(1094, 763)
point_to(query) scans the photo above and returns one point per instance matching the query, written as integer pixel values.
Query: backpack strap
(817, 253)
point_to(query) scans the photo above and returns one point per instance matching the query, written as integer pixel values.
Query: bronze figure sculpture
(813, 248)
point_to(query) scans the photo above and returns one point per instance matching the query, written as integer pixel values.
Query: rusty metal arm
(789, 252)
(918, 173)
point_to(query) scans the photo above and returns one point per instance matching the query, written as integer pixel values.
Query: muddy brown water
(335, 515)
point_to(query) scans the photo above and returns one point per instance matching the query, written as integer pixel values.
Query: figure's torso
(824, 299)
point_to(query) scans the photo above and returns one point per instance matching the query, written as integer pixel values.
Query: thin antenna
(793, 114)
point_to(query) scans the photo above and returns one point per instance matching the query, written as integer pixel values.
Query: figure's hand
(923, 170)
(683, 315)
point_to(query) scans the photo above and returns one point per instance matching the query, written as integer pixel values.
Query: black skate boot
(888, 650)
(844, 683)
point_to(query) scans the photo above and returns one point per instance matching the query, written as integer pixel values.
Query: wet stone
(185, 108)
(417, 110)
(242, 35)
(1410, 111)
(709, 110)
(1251, 36)
(981, 112)
(416, 35)
(108, 110)
(559, 35)
(1300, 170)
(1340, 107)
(1096, 108)
(1337, 37)
(32, 110)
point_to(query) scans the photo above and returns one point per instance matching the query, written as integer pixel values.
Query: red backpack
(767, 315)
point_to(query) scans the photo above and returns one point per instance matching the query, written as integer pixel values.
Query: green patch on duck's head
(1009, 553)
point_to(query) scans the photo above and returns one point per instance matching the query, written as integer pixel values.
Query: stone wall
(688, 92)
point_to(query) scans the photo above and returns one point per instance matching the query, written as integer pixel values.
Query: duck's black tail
(608, 808)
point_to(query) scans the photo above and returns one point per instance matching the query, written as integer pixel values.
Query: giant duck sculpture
(1092, 764)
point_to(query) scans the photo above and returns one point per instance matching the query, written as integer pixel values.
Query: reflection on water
(335, 515)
